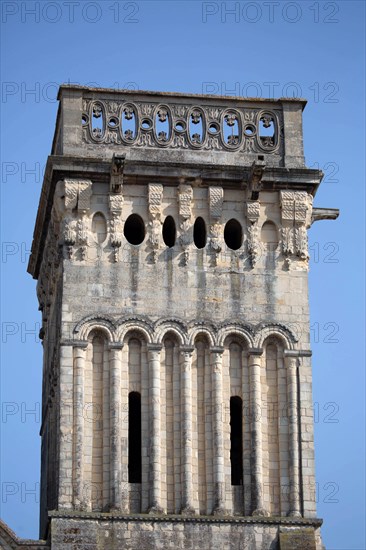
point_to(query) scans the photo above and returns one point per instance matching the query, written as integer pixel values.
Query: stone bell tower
(171, 255)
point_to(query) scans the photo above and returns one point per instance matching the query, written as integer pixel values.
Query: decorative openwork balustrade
(148, 124)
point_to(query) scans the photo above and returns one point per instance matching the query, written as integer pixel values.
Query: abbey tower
(171, 255)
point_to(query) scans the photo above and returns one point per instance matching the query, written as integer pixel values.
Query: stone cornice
(249, 520)
(66, 88)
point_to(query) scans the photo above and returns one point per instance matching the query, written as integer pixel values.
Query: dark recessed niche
(233, 234)
(169, 231)
(134, 229)
(199, 233)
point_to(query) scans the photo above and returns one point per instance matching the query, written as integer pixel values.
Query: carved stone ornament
(216, 200)
(83, 234)
(116, 235)
(155, 197)
(74, 213)
(296, 213)
(115, 224)
(154, 238)
(116, 204)
(185, 197)
(253, 244)
(117, 168)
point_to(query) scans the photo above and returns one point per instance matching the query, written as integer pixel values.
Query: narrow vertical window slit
(134, 437)
(236, 440)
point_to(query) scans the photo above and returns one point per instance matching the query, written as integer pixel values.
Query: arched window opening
(169, 231)
(236, 440)
(233, 234)
(269, 236)
(134, 229)
(134, 437)
(199, 233)
(99, 227)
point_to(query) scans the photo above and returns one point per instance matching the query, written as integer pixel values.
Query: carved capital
(155, 197)
(216, 200)
(185, 196)
(116, 204)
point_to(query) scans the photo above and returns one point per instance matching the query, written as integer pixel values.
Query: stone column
(155, 427)
(65, 447)
(256, 413)
(218, 432)
(187, 439)
(115, 362)
(80, 497)
(293, 419)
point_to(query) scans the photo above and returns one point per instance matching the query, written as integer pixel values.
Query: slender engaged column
(293, 418)
(256, 411)
(115, 362)
(155, 426)
(80, 497)
(218, 432)
(66, 415)
(187, 440)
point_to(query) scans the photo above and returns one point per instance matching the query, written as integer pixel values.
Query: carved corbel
(255, 178)
(216, 200)
(155, 197)
(185, 196)
(253, 245)
(117, 168)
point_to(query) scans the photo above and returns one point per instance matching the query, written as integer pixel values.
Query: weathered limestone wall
(134, 297)
(150, 534)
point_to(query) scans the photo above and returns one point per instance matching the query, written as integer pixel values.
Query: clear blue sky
(312, 49)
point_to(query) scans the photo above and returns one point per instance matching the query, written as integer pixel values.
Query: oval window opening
(169, 231)
(99, 227)
(233, 234)
(199, 233)
(134, 229)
